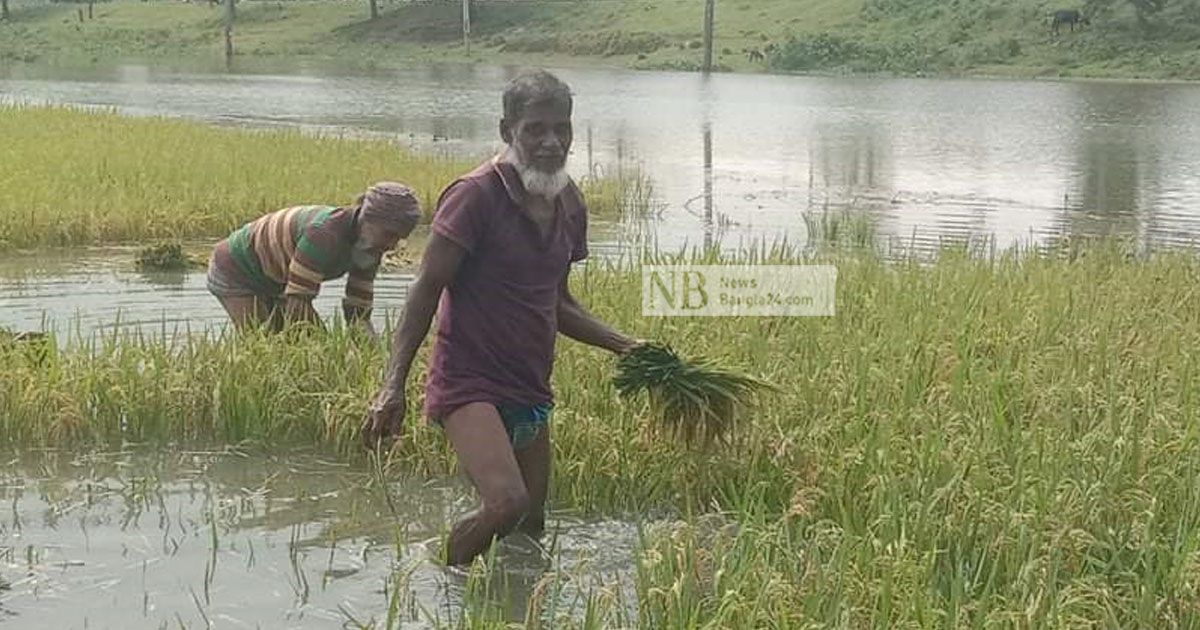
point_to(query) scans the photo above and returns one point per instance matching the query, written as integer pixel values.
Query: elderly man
(495, 272)
(269, 270)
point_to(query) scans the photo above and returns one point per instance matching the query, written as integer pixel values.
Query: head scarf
(391, 205)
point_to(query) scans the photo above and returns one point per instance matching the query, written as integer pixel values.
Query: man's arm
(575, 322)
(359, 300)
(458, 225)
(304, 280)
(439, 264)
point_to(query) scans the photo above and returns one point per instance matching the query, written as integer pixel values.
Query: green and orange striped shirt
(290, 252)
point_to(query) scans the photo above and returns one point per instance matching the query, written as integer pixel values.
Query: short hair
(531, 88)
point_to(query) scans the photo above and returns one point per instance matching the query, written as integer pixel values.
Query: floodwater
(732, 158)
(173, 538)
(179, 538)
(80, 292)
(737, 157)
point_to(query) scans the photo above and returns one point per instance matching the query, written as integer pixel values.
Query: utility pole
(710, 9)
(229, 16)
(466, 20)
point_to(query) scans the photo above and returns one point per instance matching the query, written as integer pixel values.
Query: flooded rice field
(195, 538)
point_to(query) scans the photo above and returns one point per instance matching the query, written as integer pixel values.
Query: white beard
(538, 182)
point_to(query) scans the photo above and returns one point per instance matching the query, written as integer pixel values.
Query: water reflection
(708, 190)
(931, 160)
(1119, 183)
(848, 158)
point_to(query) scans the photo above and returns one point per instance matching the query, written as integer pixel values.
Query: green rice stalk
(694, 399)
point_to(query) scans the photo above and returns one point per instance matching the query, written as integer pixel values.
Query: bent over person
(269, 271)
(495, 272)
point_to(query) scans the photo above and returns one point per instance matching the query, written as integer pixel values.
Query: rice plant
(694, 399)
(626, 196)
(75, 176)
(1004, 441)
(845, 228)
(166, 257)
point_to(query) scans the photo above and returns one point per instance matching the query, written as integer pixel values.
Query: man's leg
(246, 310)
(478, 436)
(534, 461)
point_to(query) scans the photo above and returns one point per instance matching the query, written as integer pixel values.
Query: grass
(906, 37)
(929, 38)
(844, 229)
(970, 442)
(626, 195)
(620, 33)
(74, 177)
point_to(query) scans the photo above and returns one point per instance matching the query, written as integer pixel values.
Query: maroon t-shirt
(497, 321)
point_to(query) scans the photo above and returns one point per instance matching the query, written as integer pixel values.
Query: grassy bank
(969, 443)
(73, 177)
(857, 36)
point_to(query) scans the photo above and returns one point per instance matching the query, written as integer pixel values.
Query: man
(495, 272)
(268, 271)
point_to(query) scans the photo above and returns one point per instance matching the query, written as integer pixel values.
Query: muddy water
(294, 539)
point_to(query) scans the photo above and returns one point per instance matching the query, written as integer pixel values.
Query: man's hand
(384, 418)
(299, 309)
(628, 345)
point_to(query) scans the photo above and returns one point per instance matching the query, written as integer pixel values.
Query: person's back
(263, 249)
(275, 264)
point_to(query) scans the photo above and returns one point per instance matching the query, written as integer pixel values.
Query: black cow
(1067, 16)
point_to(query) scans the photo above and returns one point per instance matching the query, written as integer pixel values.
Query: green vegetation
(1126, 38)
(972, 442)
(625, 195)
(692, 399)
(74, 177)
(1004, 38)
(166, 257)
(845, 229)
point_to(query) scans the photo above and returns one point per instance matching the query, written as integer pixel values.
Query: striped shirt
(290, 252)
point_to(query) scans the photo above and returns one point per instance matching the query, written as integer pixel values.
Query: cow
(1067, 16)
(755, 55)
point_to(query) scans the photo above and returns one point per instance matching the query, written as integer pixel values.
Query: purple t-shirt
(497, 321)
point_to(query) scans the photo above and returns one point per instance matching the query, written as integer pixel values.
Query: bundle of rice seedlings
(165, 257)
(693, 399)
